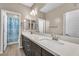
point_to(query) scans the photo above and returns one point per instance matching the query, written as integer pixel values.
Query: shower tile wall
(12, 28)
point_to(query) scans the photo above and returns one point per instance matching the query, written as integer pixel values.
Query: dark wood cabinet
(35, 49)
(26, 45)
(46, 53)
(32, 49)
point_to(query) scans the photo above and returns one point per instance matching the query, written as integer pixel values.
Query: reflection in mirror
(71, 23)
(68, 26)
(63, 23)
(30, 25)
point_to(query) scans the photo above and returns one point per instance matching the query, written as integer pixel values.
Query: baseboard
(12, 43)
(21, 47)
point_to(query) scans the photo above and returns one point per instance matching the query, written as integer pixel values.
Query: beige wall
(56, 17)
(16, 8)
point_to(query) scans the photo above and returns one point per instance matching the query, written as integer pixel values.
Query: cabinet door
(46, 53)
(22, 41)
(26, 45)
(35, 49)
(32, 49)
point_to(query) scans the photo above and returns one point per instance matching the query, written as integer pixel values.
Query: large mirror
(70, 26)
(40, 25)
(71, 23)
(61, 22)
(64, 23)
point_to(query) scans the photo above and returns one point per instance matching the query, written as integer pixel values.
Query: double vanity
(44, 45)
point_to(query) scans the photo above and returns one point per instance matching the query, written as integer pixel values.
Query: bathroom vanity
(39, 45)
(32, 49)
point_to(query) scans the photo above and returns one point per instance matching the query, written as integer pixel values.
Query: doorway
(11, 28)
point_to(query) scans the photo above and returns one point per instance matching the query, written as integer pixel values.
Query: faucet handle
(55, 37)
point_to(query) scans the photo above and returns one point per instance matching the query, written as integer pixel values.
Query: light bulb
(24, 20)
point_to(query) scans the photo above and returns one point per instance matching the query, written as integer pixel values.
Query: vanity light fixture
(24, 20)
(33, 12)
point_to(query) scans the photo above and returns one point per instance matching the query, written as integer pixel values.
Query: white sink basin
(53, 41)
(41, 37)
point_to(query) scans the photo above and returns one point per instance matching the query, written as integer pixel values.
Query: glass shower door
(12, 28)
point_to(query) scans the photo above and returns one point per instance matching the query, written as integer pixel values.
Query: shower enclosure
(11, 28)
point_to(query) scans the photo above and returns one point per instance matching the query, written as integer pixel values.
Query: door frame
(1, 51)
(18, 14)
(2, 35)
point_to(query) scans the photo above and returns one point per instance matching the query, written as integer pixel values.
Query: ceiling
(47, 7)
(50, 6)
(28, 4)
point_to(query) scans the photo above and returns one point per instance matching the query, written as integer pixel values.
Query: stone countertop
(58, 48)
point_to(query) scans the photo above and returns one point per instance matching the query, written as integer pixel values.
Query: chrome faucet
(54, 37)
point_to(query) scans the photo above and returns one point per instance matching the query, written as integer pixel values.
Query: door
(71, 23)
(47, 26)
(41, 24)
(12, 28)
(5, 32)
